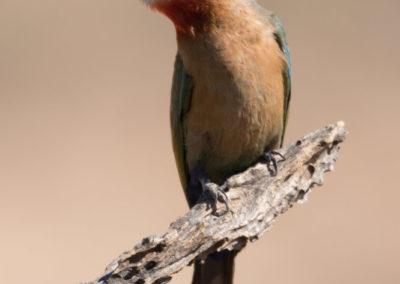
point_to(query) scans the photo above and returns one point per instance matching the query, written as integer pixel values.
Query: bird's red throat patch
(185, 14)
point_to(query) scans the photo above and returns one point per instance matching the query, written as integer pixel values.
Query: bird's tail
(218, 268)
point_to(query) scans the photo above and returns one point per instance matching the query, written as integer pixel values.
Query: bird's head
(187, 15)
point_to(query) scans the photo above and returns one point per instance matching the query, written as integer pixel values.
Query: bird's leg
(199, 184)
(270, 159)
(216, 192)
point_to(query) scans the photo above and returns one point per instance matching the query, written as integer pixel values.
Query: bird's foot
(217, 194)
(272, 161)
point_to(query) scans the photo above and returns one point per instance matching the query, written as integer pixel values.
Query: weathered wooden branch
(256, 198)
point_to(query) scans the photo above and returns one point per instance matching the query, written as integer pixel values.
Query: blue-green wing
(280, 38)
(182, 88)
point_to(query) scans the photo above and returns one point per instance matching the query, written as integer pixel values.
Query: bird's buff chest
(236, 109)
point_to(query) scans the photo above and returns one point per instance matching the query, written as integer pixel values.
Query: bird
(230, 97)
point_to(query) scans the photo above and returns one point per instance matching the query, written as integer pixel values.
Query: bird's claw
(270, 159)
(217, 193)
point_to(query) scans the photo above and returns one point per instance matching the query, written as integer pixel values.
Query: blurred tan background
(86, 166)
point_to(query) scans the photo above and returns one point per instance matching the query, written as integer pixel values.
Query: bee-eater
(230, 97)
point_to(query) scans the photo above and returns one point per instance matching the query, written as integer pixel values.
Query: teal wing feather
(280, 38)
(182, 88)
